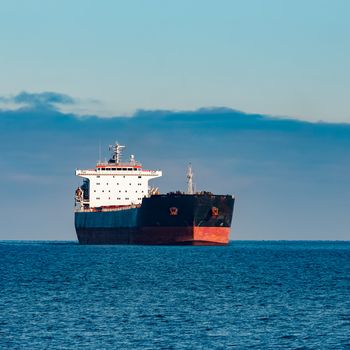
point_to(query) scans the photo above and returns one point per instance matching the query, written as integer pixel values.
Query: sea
(247, 295)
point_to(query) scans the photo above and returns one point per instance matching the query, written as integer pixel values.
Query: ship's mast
(189, 180)
(117, 152)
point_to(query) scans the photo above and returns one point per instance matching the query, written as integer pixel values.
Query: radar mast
(117, 150)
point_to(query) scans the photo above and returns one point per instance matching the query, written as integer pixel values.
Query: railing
(107, 209)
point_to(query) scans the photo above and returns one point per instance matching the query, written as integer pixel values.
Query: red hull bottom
(186, 235)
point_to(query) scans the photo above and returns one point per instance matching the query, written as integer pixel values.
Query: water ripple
(259, 295)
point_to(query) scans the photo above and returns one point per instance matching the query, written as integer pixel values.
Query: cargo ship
(115, 205)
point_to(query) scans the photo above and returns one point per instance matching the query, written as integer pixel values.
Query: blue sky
(284, 58)
(170, 79)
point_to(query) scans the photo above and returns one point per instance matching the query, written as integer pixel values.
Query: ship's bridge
(115, 183)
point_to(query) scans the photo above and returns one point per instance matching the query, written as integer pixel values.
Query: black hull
(203, 219)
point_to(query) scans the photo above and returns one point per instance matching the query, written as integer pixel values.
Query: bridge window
(129, 169)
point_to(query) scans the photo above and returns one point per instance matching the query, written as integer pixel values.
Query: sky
(284, 58)
(252, 93)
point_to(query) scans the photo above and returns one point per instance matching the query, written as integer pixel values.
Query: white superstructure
(115, 183)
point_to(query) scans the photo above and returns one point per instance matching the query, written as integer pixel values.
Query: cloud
(50, 102)
(37, 101)
(43, 98)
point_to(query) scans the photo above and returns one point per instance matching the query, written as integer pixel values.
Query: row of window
(99, 183)
(98, 176)
(119, 169)
(119, 191)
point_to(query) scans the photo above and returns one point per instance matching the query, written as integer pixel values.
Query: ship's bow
(199, 219)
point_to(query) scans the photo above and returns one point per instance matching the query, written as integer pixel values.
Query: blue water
(259, 295)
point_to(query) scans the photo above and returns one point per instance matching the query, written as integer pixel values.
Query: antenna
(99, 152)
(189, 180)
